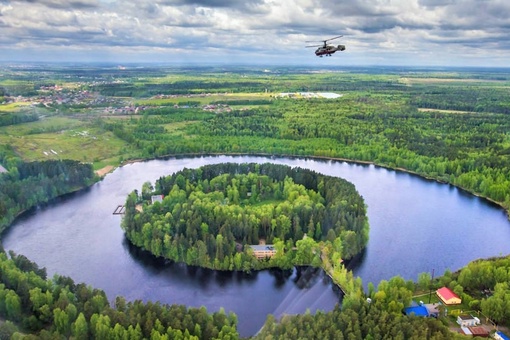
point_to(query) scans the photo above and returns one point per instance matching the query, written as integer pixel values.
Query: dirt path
(107, 169)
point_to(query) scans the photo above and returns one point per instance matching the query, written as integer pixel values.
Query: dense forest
(209, 216)
(58, 308)
(12, 119)
(468, 149)
(363, 321)
(28, 184)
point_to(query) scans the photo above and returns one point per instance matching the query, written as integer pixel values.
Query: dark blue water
(416, 226)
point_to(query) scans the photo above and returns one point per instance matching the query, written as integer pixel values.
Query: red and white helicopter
(326, 49)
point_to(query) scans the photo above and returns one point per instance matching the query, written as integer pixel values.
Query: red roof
(447, 293)
(478, 331)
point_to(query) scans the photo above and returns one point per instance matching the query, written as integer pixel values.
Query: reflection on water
(272, 291)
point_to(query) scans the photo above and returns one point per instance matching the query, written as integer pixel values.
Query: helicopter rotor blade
(334, 38)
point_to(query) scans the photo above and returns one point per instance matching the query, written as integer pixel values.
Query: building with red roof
(448, 297)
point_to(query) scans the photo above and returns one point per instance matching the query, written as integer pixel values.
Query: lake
(416, 226)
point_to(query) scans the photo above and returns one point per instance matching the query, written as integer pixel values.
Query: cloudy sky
(375, 32)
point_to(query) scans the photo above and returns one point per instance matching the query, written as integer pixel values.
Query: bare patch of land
(443, 111)
(107, 169)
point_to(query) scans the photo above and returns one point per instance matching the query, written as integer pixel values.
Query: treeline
(181, 87)
(244, 102)
(490, 99)
(18, 118)
(468, 150)
(26, 185)
(61, 309)
(210, 215)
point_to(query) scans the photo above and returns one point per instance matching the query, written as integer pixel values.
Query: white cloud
(378, 31)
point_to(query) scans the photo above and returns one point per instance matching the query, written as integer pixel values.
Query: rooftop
(417, 310)
(447, 293)
(478, 331)
(262, 247)
(466, 317)
(502, 335)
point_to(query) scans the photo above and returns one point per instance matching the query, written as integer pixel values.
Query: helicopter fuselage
(328, 50)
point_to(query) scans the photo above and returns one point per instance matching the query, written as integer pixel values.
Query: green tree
(13, 305)
(80, 330)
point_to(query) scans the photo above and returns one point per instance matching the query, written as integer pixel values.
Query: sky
(262, 32)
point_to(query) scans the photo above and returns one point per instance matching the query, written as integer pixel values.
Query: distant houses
(2, 169)
(448, 297)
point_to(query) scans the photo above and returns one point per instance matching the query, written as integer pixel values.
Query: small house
(448, 297)
(263, 251)
(156, 198)
(2, 169)
(467, 321)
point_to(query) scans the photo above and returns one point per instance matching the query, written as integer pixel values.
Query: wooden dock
(120, 210)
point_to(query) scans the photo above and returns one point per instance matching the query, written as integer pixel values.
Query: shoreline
(322, 158)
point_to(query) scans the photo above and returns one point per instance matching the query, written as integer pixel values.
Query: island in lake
(248, 217)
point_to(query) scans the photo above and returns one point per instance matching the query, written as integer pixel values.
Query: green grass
(263, 203)
(92, 146)
(425, 298)
(13, 107)
(177, 128)
(45, 125)
(203, 100)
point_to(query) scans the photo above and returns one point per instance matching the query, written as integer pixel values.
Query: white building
(467, 321)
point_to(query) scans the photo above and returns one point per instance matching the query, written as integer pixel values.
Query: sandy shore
(107, 169)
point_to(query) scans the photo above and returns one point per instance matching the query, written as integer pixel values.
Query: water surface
(416, 226)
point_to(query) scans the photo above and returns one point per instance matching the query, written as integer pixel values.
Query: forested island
(58, 125)
(211, 215)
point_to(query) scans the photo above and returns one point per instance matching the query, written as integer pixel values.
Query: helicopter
(326, 49)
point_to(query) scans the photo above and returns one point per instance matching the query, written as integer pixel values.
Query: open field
(13, 107)
(89, 145)
(442, 111)
(202, 99)
(178, 127)
(55, 124)
(452, 80)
